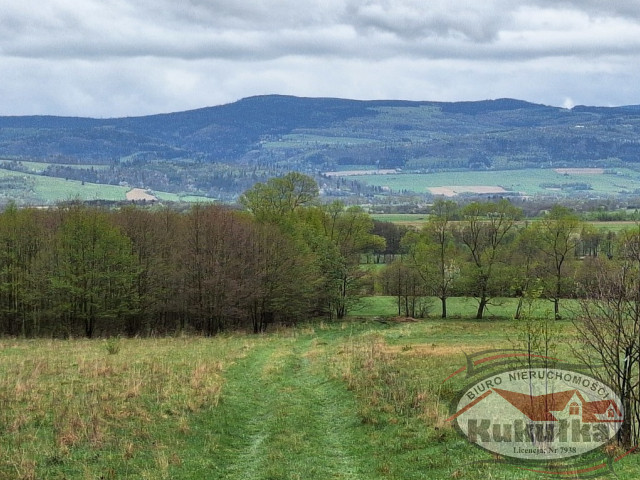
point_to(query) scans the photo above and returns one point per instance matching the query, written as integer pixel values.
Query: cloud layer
(126, 57)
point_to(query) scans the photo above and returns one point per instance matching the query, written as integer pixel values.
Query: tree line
(77, 270)
(82, 270)
(488, 250)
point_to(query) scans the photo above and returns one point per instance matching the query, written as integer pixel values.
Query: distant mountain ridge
(227, 132)
(275, 133)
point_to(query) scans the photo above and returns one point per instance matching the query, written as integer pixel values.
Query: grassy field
(462, 307)
(363, 399)
(408, 219)
(34, 189)
(615, 226)
(417, 220)
(526, 181)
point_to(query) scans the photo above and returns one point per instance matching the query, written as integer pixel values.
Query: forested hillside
(221, 151)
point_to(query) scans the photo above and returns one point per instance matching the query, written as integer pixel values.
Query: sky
(113, 58)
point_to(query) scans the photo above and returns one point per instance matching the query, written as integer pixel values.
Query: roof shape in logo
(541, 408)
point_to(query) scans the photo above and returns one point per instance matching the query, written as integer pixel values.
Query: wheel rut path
(283, 417)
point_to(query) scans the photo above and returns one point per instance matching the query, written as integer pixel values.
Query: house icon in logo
(538, 414)
(566, 405)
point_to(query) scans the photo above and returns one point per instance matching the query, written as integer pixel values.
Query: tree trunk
(483, 297)
(443, 300)
(556, 301)
(519, 308)
(481, 307)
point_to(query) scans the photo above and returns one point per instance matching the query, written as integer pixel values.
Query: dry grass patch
(433, 350)
(383, 378)
(62, 398)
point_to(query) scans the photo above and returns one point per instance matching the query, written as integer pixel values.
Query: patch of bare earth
(140, 194)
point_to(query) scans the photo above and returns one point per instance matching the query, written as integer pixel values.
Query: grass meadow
(35, 189)
(463, 307)
(106, 409)
(418, 220)
(362, 399)
(526, 181)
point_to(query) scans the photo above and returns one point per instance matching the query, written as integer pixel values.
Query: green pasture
(525, 181)
(463, 307)
(419, 219)
(365, 399)
(34, 189)
(615, 226)
(400, 218)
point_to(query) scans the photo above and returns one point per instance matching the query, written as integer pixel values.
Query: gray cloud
(411, 19)
(595, 8)
(117, 57)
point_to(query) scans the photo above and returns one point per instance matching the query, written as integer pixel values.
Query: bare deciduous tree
(608, 327)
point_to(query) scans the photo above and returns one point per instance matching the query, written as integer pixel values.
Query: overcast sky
(106, 58)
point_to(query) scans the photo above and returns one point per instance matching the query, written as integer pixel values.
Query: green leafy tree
(280, 196)
(434, 253)
(152, 240)
(283, 278)
(558, 234)
(92, 272)
(289, 203)
(393, 235)
(21, 238)
(349, 232)
(485, 230)
(524, 271)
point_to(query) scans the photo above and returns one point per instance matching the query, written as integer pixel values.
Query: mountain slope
(226, 148)
(228, 132)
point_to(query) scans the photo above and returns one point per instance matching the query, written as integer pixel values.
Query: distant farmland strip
(452, 191)
(531, 181)
(580, 171)
(351, 173)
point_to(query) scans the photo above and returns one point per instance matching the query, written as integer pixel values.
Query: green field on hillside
(526, 181)
(401, 217)
(364, 399)
(32, 189)
(417, 220)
